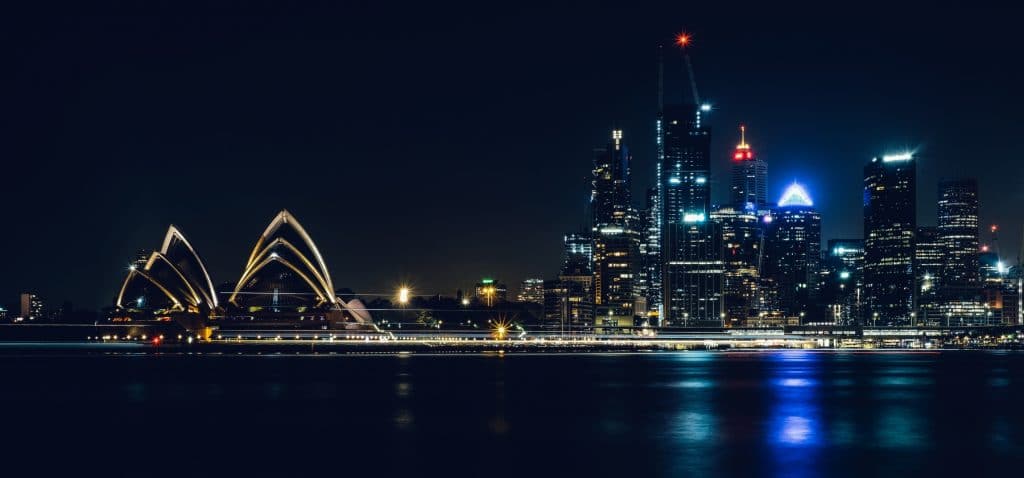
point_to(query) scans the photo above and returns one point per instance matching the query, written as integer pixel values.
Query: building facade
(890, 224)
(794, 252)
(691, 245)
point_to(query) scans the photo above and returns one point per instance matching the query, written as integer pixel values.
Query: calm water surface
(786, 413)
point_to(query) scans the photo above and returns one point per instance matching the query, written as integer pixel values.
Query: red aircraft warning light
(683, 39)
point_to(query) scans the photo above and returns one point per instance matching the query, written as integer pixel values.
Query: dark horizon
(437, 145)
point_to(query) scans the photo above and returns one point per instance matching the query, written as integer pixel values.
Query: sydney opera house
(285, 284)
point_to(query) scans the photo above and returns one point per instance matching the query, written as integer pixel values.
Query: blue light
(674, 180)
(795, 195)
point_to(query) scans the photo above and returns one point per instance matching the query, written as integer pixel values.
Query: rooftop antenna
(683, 40)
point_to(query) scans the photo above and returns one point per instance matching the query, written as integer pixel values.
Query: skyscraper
(890, 224)
(794, 251)
(958, 232)
(616, 240)
(610, 197)
(691, 244)
(652, 253)
(748, 191)
(742, 237)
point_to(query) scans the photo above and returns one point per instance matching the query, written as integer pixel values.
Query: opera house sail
(285, 283)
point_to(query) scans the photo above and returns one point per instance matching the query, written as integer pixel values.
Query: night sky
(438, 144)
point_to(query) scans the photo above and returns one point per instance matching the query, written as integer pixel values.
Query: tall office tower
(930, 258)
(652, 255)
(610, 197)
(794, 251)
(749, 174)
(692, 274)
(742, 241)
(843, 286)
(890, 223)
(616, 239)
(958, 231)
(531, 290)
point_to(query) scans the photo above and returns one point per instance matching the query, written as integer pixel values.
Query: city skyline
(72, 199)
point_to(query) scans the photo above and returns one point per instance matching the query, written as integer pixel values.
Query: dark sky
(436, 144)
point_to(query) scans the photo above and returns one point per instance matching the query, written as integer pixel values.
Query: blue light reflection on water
(794, 425)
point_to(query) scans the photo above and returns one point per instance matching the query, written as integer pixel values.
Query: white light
(844, 275)
(702, 180)
(689, 217)
(795, 195)
(674, 180)
(897, 157)
(1000, 267)
(705, 107)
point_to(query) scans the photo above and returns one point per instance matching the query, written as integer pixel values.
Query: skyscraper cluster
(681, 260)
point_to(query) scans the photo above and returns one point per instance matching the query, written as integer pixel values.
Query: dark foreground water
(689, 414)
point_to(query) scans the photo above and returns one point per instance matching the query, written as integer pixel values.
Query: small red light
(750, 155)
(738, 155)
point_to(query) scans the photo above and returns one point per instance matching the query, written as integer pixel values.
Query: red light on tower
(984, 248)
(743, 150)
(683, 39)
(995, 227)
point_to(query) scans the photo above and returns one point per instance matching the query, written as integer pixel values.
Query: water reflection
(794, 422)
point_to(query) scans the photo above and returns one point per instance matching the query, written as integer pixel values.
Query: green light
(487, 281)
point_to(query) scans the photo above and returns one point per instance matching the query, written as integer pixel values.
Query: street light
(403, 295)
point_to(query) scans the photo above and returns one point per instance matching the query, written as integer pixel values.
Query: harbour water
(770, 413)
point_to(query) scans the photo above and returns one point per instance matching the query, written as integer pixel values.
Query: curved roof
(285, 249)
(175, 276)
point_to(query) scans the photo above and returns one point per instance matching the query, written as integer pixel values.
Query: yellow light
(403, 295)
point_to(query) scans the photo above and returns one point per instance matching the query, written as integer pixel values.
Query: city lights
(897, 157)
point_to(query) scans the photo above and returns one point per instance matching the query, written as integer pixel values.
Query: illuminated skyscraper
(610, 198)
(651, 251)
(890, 224)
(958, 232)
(691, 244)
(616, 238)
(742, 237)
(794, 251)
(749, 174)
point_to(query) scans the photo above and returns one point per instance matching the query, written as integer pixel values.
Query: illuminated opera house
(285, 283)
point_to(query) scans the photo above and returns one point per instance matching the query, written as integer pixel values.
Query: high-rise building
(616, 238)
(958, 231)
(843, 281)
(692, 274)
(651, 254)
(610, 197)
(31, 307)
(930, 258)
(749, 174)
(742, 239)
(531, 290)
(890, 224)
(794, 251)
